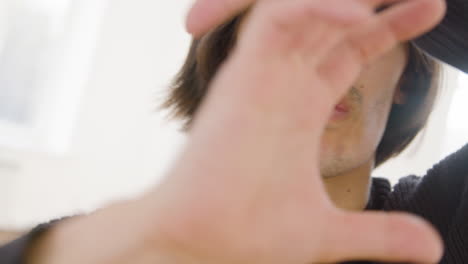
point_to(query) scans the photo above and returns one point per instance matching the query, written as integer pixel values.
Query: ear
(399, 97)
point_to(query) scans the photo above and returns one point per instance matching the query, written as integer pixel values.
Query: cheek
(378, 89)
(351, 140)
(374, 123)
(375, 112)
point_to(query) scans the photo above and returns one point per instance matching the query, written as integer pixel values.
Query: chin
(334, 167)
(337, 165)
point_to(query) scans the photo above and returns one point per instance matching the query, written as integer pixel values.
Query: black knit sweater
(441, 197)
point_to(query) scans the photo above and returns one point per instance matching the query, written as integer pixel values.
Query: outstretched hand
(247, 188)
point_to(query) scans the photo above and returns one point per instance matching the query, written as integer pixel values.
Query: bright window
(46, 50)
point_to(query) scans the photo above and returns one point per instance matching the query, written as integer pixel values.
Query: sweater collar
(380, 190)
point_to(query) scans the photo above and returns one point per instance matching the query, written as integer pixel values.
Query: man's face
(358, 121)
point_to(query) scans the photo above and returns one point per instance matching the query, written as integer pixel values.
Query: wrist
(111, 235)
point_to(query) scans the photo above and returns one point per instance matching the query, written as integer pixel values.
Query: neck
(350, 190)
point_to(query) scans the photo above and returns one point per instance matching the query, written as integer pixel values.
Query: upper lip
(342, 106)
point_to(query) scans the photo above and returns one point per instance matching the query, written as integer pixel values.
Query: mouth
(341, 111)
(347, 107)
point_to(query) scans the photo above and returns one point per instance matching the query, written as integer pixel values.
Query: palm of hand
(247, 189)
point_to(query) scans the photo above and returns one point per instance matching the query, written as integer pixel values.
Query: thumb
(396, 237)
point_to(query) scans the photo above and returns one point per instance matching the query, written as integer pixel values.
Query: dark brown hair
(419, 84)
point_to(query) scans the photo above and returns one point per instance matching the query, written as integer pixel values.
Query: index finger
(206, 14)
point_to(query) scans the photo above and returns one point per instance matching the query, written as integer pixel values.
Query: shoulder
(446, 183)
(16, 251)
(443, 185)
(441, 197)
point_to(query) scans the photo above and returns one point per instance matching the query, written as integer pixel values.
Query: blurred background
(80, 81)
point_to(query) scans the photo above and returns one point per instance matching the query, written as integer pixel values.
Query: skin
(349, 141)
(351, 137)
(247, 195)
(257, 89)
(347, 173)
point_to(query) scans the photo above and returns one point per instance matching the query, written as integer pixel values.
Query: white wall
(121, 145)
